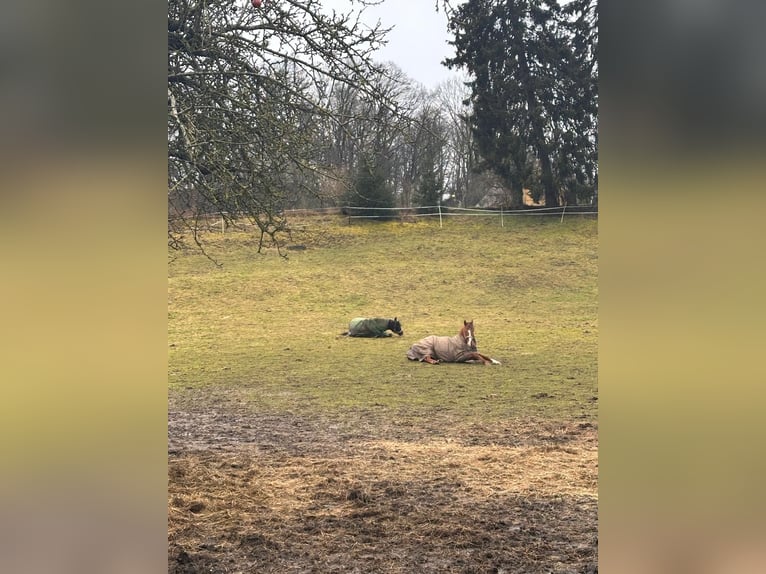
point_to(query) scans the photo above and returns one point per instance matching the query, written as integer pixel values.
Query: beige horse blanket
(446, 349)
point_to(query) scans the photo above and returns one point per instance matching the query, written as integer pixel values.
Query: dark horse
(373, 327)
(458, 349)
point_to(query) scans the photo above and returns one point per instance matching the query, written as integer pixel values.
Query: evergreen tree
(533, 90)
(430, 185)
(370, 192)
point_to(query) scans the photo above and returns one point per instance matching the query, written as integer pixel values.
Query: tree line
(284, 106)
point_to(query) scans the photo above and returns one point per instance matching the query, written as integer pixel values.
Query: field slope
(294, 449)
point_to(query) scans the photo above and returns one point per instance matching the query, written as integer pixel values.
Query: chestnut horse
(458, 349)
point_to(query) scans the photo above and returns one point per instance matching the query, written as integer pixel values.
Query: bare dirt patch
(376, 491)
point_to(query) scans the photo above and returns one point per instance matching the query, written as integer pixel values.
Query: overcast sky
(418, 41)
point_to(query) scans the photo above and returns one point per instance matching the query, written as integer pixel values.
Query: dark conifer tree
(370, 191)
(430, 185)
(533, 91)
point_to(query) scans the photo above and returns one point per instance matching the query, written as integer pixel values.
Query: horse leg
(476, 356)
(430, 360)
(489, 360)
(473, 356)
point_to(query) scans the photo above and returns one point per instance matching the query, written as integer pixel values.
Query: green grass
(267, 329)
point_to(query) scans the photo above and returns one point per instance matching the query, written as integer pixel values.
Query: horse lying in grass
(373, 327)
(458, 349)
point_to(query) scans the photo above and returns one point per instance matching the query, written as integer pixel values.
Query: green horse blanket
(373, 327)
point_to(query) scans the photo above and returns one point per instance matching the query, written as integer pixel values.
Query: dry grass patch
(388, 506)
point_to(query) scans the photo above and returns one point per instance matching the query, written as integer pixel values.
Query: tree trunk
(546, 177)
(540, 145)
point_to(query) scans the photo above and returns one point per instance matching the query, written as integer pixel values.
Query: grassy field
(326, 436)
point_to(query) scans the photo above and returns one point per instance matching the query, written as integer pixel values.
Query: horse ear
(465, 322)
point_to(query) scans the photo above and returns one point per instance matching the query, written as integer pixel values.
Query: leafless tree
(247, 91)
(463, 182)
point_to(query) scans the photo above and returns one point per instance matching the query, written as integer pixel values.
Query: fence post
(223, 225)
(439, 203)
(562, 212)
(502, 223)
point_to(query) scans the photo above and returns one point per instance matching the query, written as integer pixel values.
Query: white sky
(418, 41)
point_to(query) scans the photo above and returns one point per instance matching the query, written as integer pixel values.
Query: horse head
(395, 326)
(468, 334)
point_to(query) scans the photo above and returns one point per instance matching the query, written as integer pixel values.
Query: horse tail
(345, 333)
